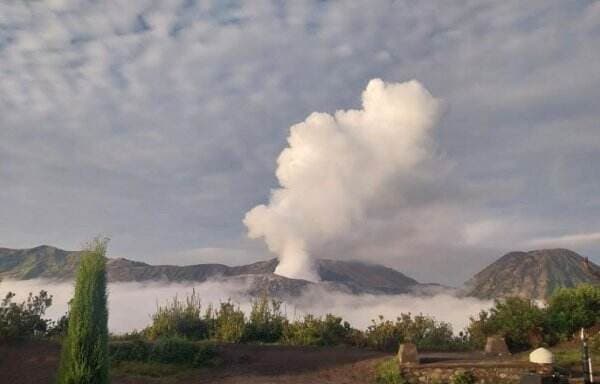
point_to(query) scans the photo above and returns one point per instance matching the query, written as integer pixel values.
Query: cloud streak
(571, 240)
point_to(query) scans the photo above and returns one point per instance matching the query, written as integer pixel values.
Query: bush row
(523, 322)
(168, 350)
(266, 323)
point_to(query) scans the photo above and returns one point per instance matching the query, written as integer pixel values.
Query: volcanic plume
(337, 167)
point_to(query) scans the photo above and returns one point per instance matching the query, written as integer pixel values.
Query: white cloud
(159, 123)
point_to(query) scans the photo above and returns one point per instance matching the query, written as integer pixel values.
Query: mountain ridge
(532, 274)
(348, 276)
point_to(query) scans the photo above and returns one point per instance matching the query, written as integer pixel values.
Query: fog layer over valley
(132, 304)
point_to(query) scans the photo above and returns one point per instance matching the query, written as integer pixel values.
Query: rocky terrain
(534, 274)
(348, 276)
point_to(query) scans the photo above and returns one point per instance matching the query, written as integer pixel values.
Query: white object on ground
(541, 356)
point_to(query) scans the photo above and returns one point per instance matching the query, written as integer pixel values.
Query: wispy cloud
(571, 240)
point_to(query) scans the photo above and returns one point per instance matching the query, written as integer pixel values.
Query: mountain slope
(534, 274)
(39, 262)
(349, 276)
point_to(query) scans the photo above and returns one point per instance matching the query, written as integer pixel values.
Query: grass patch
(388, 372)
(570, 357)
(567, 357)
(147, 369)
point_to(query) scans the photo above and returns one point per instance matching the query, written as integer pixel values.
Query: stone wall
(485, 374)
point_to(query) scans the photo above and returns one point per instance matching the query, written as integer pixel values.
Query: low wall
(484, 373)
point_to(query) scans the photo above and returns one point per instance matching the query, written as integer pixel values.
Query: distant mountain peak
(348, 276)
(534, 274)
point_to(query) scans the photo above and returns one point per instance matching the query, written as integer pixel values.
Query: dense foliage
(229, 323)
(266, 322)
(165, 350)
(520, 321)
(572, 309)
(524, 324)
(317, 331)
(181, 318)
(84, 358)
(25, 319)
(425, 332)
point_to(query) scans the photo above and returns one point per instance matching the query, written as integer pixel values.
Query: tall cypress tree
(84, 358)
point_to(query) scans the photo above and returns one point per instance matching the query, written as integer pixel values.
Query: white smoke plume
(337, 168)
(132, 304)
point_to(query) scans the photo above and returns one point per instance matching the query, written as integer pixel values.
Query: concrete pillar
(496, 346)
(407, 354)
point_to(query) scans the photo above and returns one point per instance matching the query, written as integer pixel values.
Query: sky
(159, 124)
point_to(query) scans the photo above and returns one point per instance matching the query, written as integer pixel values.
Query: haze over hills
(534, 274)
(348, 276)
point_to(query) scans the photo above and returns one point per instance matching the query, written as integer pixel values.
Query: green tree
(84, 358)
(570, 309)
(519, 320)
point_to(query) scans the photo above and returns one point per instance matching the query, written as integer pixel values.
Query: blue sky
(158, 123)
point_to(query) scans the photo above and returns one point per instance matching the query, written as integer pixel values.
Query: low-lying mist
(132, 304)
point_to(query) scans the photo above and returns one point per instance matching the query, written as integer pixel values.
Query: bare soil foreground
(37, 363)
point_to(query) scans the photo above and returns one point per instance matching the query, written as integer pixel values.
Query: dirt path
(37, 363)
(268, 364)
(33, 362)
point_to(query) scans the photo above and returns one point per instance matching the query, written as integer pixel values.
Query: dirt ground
(37, 363)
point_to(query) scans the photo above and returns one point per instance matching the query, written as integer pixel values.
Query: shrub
(424, 331)
(84, 356)
(135, 350)
(229, 323)
(595, 343)
(172, 350)
(570, 309)
(206, 354)
(518, 320)
(317, 331)
(179, 318)
(58, 329)
(266, 321)
(21, 320)
(388, 372)
(357, 338)
(463, 377)
(384, 335)
(129, 336)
